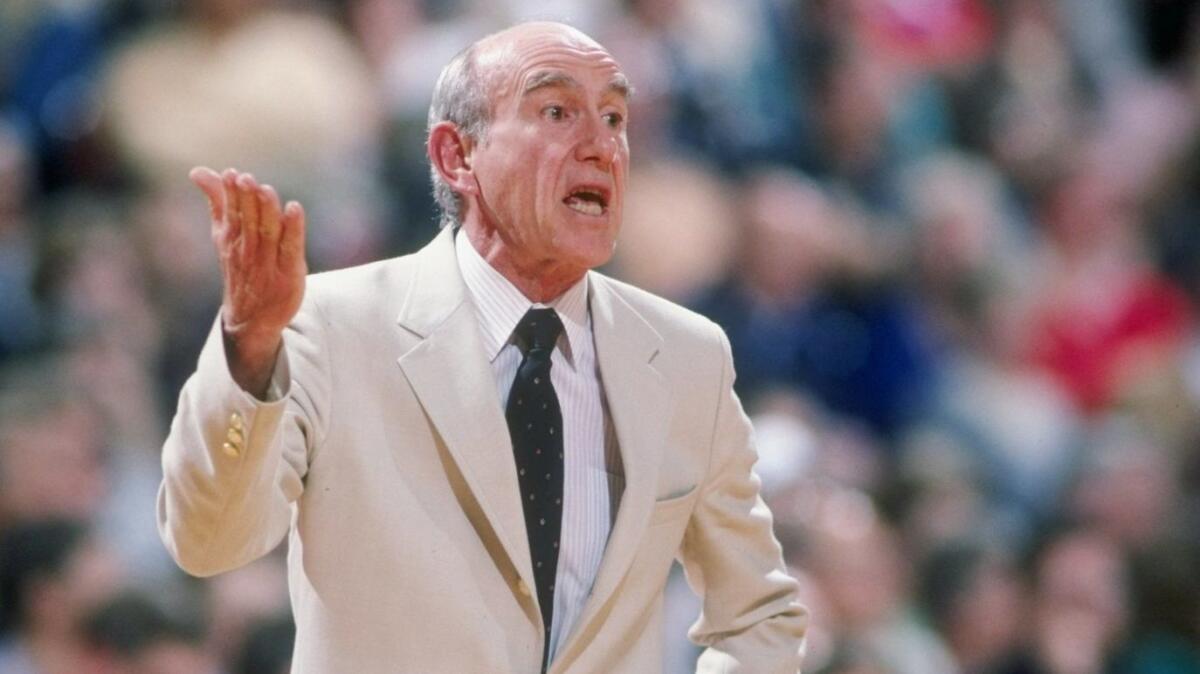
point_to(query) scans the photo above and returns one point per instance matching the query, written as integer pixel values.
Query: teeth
(584, 206)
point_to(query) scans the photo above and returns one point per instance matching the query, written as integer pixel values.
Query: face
(551, 169)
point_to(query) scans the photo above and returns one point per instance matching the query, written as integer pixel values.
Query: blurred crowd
(955, 245)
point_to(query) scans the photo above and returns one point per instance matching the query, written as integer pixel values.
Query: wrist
(249, 338)
(250, 355)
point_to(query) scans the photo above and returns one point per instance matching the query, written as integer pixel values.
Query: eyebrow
(619, 84)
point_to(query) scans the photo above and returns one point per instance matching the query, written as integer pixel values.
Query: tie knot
(539, 329)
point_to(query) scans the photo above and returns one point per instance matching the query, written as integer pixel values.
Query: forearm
(224, 499)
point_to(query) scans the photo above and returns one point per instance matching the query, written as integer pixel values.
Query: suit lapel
(641, 407)
(454, 382)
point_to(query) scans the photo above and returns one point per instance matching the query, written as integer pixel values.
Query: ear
(450, 154)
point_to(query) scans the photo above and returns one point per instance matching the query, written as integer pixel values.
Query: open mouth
(588, 200)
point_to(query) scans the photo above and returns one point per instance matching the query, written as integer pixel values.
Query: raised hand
(261, 249)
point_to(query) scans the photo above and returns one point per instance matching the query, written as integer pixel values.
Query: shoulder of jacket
(673, 321)
(369, 287)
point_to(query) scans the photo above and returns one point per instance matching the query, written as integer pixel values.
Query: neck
(538, 280)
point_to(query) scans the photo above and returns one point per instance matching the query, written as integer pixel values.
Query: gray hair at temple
(460, 96)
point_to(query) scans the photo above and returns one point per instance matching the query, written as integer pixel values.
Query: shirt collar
(500, 305)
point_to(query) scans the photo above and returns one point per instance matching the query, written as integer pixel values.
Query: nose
(599, 144)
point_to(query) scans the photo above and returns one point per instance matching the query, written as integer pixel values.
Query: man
(486, 455)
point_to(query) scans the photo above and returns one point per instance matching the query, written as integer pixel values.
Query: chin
(589, 254)
(584, 247)
(581, 261)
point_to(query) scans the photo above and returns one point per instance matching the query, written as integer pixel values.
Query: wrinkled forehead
(520, 57)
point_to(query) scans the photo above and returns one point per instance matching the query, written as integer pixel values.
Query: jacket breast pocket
(673, 507)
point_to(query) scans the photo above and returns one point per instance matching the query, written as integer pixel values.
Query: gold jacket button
(234, 436)
(230, 451)
(235, 421)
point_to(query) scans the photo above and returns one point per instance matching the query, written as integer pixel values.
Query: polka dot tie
(535, 424)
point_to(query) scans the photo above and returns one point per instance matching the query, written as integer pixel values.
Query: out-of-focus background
(955, 244)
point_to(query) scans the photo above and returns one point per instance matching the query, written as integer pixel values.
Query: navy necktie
(535, 424)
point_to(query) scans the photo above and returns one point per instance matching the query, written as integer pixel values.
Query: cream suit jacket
(387, 462)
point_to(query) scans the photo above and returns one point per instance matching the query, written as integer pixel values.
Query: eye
(554, 112)
(615, 120)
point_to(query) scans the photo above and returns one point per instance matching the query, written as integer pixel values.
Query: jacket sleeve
(233, 465)
(752, 621)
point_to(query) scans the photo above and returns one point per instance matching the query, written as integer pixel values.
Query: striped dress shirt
(592, 474)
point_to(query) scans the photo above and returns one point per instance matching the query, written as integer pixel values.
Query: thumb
(210, 183)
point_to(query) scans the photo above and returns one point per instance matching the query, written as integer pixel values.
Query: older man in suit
(485, 455)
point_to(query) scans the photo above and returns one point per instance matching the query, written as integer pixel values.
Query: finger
(291, 244)
(268, 209)
(209, 182)
(269, 214)
(233, 216)
(252, 237)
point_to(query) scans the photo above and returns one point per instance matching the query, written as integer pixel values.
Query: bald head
(534, 31)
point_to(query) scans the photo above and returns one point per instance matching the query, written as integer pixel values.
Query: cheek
(620, 179)
(545, 196)
(546, 175)
(621, 163)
